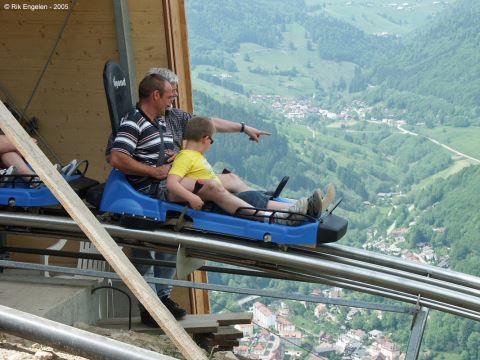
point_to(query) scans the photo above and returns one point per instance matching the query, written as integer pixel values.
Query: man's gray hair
(164, 72)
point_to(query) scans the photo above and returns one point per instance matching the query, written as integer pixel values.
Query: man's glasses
(209, 138)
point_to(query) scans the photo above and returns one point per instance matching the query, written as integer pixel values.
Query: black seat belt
(160, 161)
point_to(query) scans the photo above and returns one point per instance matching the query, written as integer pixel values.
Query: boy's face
(207, 142)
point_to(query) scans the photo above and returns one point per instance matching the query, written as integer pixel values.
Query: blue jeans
(156, 271)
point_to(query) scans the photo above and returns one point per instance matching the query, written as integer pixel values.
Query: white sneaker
(294, 215)
(70, 168)
(36, 182)
(329, 196)
(315, 205)
(7, 176)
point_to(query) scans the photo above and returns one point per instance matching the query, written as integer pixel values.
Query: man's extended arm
(130, 166)
(224, 126)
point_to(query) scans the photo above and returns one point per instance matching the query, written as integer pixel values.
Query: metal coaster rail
(332, 264)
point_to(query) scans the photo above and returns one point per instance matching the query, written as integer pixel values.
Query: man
(135, 151)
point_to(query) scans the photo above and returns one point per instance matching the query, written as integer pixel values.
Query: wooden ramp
(208, 330)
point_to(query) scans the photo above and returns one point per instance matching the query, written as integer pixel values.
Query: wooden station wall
(70, 101)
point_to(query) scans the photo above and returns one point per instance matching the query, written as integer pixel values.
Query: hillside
(436, 203)
(296, 48)
(352, 92)
(433, 78)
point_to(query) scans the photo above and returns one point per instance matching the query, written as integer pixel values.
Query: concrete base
(66, 300)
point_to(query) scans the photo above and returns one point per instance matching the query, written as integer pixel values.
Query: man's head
(167, 74)
(200, 129)
(156, 91)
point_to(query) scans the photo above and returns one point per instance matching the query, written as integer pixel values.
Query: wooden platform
(209, 330)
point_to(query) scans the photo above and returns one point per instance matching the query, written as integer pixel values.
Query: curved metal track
(331, 264)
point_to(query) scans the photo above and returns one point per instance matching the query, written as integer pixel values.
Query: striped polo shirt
(135, 130)
(140, 139)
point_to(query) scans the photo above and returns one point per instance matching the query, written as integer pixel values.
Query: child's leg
(14, 158)
(211, 191)
(6, 145)
(215, 192)
(233, 183)
(187, 183)
(315, 204)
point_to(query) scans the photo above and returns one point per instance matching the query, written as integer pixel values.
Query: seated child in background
(13, 166)
(12, 162)
(190, 166)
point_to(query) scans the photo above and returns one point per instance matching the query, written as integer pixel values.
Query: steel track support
(419, 323)
(124, 43)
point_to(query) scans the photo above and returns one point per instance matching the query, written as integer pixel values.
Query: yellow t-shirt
(192, 164)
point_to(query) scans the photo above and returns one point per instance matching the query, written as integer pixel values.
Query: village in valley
(272, 336)
(390, 243)
(273, 333)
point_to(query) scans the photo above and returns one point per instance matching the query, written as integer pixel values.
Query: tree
(473, 346)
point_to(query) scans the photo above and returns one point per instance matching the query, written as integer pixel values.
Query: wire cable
(269, 330)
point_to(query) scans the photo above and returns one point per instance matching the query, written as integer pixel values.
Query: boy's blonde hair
(198, 127)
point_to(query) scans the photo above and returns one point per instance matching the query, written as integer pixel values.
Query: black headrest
(117, 91)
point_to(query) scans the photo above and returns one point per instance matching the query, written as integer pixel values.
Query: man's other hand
(161, 172)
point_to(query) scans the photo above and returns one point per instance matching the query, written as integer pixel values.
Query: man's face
(174, 90)
(165, 101)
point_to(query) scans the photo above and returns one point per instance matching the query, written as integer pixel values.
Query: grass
(448, 356)
(464, 140)
(302, 141)
(310, 67)
(456, 167)
(376, 16)
(219, 93)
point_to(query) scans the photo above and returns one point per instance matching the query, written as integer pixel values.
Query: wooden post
(97, 234)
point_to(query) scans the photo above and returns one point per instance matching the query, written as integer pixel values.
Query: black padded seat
(117, 90)
(119, 101)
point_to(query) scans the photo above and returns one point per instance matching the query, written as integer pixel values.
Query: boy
(190, 166)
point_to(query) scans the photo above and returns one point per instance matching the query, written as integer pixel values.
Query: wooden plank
(224, 344)
(191, 325)
(97, 234)
(224, 319)
(227, 333)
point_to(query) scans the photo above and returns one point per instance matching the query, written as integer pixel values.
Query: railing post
(418, 328)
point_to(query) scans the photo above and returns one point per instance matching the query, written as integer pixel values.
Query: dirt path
(399, 127)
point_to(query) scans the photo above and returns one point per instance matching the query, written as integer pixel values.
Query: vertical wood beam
(178, 56)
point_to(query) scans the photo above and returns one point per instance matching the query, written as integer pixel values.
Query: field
(292, 53)
(465, 140)
(456, 167)
(377, 16)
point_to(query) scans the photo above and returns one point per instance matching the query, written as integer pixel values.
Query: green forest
(434, 78)
(424, 77)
